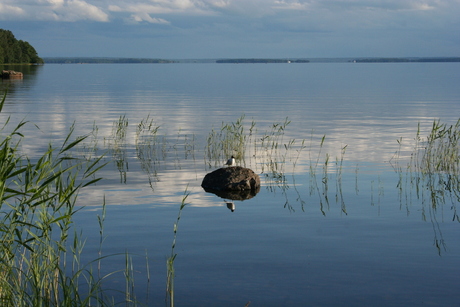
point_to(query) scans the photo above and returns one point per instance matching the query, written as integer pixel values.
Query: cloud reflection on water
(366, 108)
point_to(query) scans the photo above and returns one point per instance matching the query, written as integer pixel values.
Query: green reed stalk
(433, 174)
(314, 164)
(302, 147)
(149, 149)
(230, 140)
(170, 261)
(118, 146)
(129, 279)
(442, 149)
(37, 205)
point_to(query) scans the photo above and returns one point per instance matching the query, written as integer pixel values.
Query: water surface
(362, 237)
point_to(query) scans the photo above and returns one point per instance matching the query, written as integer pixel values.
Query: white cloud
(73, 10)
(166, 7)
(100, 10)
(55, 10)
(10, 10)
(291, 5)
(392, 5)
(272, 24)
(140, 17)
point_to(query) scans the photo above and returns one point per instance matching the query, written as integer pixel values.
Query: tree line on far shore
(407, 60)
(13, 51)
(265, 61)
(90, 60)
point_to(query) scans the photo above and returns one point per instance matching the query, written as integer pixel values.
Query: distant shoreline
(108, 60)
(97, 60)
(407, 60)
(264, 61)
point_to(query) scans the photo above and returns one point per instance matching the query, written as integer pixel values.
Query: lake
(343, 218)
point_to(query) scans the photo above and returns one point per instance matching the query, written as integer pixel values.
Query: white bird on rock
(231, 161)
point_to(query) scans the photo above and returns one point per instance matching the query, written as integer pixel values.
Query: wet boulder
(235, 178)
(11, 74)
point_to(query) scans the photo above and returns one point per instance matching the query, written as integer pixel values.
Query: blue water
(357, 239)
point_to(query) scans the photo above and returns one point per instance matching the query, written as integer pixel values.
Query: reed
(434, 161)
(431, 176)
(148, 150)
(40, 247)
(441, 152)
(117, 146)
(146, 140)
(169, 299)
(315, 161)
(271, 148)
(230, 140)
(238, 138)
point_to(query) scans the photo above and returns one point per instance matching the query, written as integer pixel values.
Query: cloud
(73, 10)
(51, 10)
(136, 10)
(334, 5)
(142, 16)
(10, 10)
(163, 7)
(209, 28)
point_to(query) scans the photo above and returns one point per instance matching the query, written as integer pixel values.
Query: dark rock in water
(228, 179)
(11, 74)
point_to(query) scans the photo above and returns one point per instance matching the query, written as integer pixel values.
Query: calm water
(350, 237)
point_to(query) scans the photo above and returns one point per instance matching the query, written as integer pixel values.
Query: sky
(200, 29)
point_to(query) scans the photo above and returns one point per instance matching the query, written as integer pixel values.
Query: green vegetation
(13, 51)
(271, 153)
(117, 145)
(40, 250)
(170, 261)
(89, 60)
(433, 172)
(441, 152)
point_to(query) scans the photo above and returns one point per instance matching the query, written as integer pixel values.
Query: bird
(231, 161)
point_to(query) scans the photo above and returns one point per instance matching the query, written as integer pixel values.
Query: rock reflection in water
(234, 195)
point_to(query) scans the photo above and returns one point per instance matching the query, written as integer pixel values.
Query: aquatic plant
(431, 175)
(37, 203)
(435, 161)
(441, 151)
(40, 246)
(172, 257)
(117, 146)
(230, 140)
(147, 148)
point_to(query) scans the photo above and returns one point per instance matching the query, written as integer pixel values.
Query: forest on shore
(13, 51)
(100, 60)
